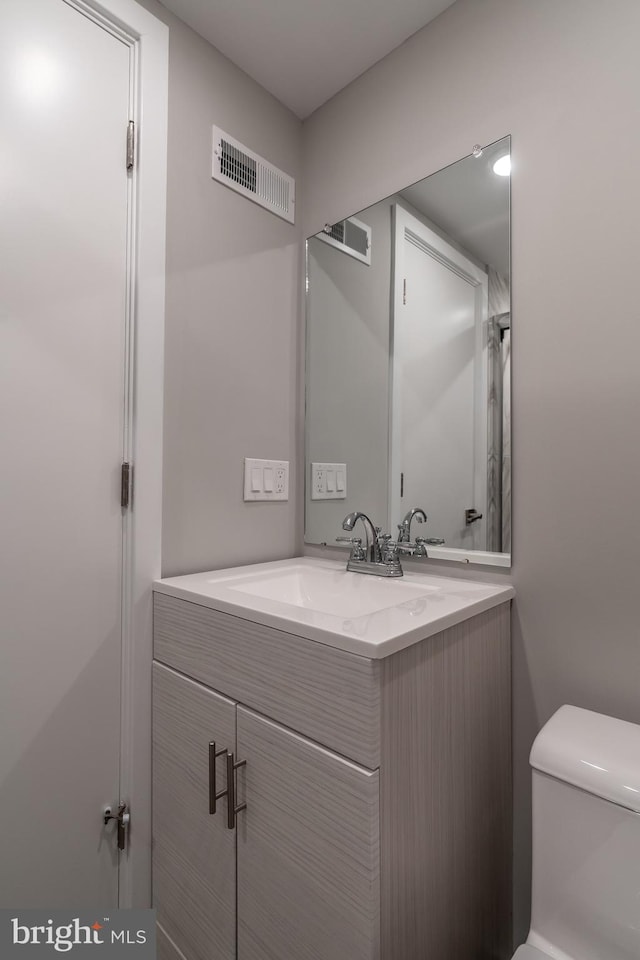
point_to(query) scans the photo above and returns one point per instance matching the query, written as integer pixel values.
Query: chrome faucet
(380, 555)
(404, 528)
(372, 544)
(419, 548)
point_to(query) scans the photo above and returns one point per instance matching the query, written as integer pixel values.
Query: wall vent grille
(351, 236)
(249, 174)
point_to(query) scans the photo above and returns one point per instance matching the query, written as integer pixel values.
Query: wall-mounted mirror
(408, 363)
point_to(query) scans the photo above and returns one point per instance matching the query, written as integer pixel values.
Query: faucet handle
(421, 544)
(386, 545)
(388, 548)
(406, 547)
(357, 551)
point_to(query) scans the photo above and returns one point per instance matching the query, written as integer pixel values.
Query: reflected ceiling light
(502, 166)
(594, 766)
(38, 75)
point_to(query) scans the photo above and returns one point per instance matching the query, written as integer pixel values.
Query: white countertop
(317, 599)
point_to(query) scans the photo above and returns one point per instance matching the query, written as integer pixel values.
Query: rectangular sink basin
(319, 600)
(331, 592)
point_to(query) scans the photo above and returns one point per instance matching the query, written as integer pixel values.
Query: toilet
(586, 839)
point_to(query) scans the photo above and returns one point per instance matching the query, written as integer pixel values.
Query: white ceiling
(305, 51)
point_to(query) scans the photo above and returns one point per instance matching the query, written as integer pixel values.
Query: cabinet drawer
(326, 694)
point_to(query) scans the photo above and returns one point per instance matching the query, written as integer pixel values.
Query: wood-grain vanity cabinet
(377, 823)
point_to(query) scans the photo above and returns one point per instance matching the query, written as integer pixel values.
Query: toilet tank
(586, 837)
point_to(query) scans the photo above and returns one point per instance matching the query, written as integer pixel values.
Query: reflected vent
(247, 173)
(351, 236)
(336, 232)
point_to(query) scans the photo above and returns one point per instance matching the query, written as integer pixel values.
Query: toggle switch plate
(328, 481)
(266, 479)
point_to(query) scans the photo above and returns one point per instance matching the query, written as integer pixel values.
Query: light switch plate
(266, 479)
(328, 481)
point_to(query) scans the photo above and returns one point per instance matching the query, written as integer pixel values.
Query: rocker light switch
(266, 479)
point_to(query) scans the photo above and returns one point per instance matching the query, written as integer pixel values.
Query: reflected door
(64, 106)
(438, 412)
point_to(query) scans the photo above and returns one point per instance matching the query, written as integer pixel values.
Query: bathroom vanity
(332, 766)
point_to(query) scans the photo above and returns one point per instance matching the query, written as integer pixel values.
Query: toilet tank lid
(589, 750)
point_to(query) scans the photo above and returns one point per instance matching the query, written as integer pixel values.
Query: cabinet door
(308, 849)
(194, 875)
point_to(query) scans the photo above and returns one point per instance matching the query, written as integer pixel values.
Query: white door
(439, 385)
(64, 102)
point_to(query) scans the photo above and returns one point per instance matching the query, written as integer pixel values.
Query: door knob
(471, 515)
(122, 818)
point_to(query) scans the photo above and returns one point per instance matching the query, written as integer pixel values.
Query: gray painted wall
(232, 331)
(563, 79)
(347, 401)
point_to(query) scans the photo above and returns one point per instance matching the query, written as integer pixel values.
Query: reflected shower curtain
(494, 441)
(506, 440)
(499, 415)
(499, 435)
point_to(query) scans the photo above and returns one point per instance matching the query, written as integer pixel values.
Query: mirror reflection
(408, 364)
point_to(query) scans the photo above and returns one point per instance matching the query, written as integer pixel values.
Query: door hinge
(126, 485)
(131, 144)
(404, 292)
(402, 484)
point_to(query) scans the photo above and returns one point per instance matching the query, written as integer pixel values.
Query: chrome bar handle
(232, 809)
(213, 795)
